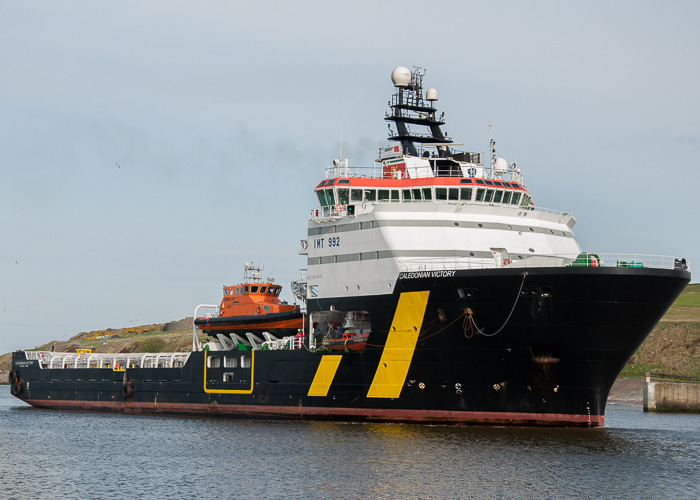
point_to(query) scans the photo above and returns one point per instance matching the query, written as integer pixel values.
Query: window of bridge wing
(356, 195)
(370, 195)
(453, 194)
(406, 195)
(515, 199)
(506, 196)
(343, 196)
(322, 197)
(383, 195)
(489, 196)
(395, 195)
(263, 289)
(427, 194)
(465, 194)
(498, 196)
(254, 289)
(440, 193)
(330, 198)
(416, 194)
(480, 194)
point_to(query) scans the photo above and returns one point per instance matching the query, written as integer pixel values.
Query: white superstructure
(424, 206)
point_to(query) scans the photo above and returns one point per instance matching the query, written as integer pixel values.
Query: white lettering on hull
(427, 274)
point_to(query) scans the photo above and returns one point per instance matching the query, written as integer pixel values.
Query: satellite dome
(431, 95)
(500, 166)
(401, 76)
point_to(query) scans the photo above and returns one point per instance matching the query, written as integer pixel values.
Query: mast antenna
(340, 157)
(492, 145)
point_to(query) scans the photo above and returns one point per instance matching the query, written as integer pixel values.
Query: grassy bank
(175, 336)
(671, 351)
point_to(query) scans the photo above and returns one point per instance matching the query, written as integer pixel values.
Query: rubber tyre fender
(14, 376)
(16, 389)
(127, 390)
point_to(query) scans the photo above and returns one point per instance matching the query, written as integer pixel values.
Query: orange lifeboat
(348, 341)
(253, 306)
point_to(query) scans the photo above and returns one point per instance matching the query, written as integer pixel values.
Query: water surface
(48, 454)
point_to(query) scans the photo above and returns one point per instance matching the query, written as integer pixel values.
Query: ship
(254, 307)
(434, 291)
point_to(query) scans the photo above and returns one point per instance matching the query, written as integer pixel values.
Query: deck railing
(48, 359)
(525, 261)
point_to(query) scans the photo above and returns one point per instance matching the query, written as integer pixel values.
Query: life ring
(304, 245)
(16, 389)
(506, 262)
(127, 390)
(259, 308)
(14, 376)
(339, 208)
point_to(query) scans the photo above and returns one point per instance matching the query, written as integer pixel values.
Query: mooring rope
(471, 317)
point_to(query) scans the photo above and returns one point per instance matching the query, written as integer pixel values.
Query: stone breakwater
(671, 396)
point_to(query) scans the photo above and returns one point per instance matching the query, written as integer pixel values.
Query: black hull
(284, 323)
(552, 362)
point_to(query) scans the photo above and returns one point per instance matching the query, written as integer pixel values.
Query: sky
(148, 150)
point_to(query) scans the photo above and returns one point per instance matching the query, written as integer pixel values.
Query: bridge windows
(343, 197)
(498, 194)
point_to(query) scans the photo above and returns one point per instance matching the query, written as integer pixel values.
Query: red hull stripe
(368, 414)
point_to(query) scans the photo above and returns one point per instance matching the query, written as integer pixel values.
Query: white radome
(401, 76)
(500, 166)
(431, 95)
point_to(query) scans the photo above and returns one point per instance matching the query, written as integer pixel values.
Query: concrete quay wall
(671, 396)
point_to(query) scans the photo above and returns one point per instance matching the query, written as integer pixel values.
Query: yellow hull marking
(230, 391)
(324, 375)
(400, 344)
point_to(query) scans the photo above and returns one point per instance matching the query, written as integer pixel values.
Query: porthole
(471, 254)
(510, 227)
(480, 224)
(532, 230)
(456, 223)
(346, 288)
(357, 286)
(532, 250)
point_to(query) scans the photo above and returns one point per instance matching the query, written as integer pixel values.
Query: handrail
(70, 360)
(377, 171)
(540, 260)
(196, 344)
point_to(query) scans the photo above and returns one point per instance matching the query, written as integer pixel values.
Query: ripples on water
(49, 454)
